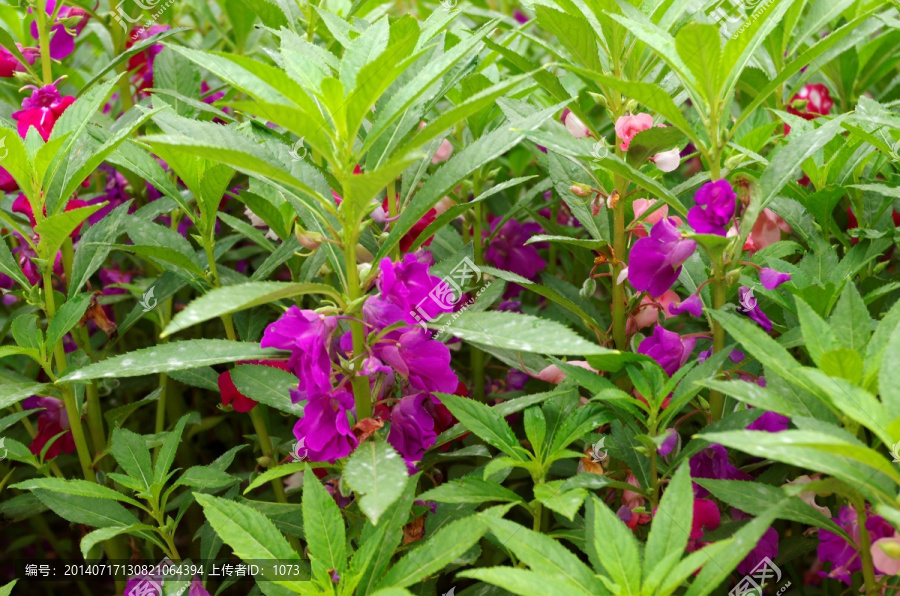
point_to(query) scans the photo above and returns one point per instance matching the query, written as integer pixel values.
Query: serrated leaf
(378, 474)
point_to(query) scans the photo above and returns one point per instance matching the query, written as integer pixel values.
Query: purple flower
(749, 307)
(713, 462)
(691, 305)
(306, 334)
(325, 429)
(841, 554)
(408, 286)
(520, 17)
(114, 194)
(114, 276)
(655, 261)
(766, 547)
(669, 443)
(771, 278)
(667, 348)
(412, 427)
(508, 251)
(771, 422)
(736, 356)
(422, 360)
(62, 44)
(714, 209)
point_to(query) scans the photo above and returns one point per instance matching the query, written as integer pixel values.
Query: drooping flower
(62, 43)
(306, 334)
(325, 429)
(9, 64)
(41, 110)
(655, 262)
(842, 555)
(508, 250)
(627, 127)
(412, 427)
(574, 124)
(51, 421)
(714, 209)
(748, 306)
(667, 161)
(692, 305)
(230, 393)
(668, 348)
(771, 279)
(422, 360)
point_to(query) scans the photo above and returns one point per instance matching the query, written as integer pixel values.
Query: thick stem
(865, 549)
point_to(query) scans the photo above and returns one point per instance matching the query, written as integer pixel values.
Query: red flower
(818, 100)
(51, 421)
(231, 395)
(21, 205)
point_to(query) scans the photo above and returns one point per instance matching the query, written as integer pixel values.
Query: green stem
(354, 292)
(44, 41)
(393, 209)
(716, 399)
(477, 240)
(618, 289)
(865, 548)
(95, 418)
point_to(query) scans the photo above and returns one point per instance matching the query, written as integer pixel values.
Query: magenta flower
(408, 286)
(41, 110)
(706, 517)
(51, 421)
(306, 334)
(770, 422)
(422, 360)
(668, 348)
(715, 208)
(771, 279)
(9, 64)
(62, 43)
(691, 305)
(412, 427)
(750, 308)
(713, 463)
(509, 252)
(842, 555)
(325, 429)
(767, 546)
(655, 262)
(114, 276)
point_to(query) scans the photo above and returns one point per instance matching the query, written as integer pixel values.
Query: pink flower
(766, 231)
(553, 374)
(667, 161)
(647, 313)
(443, 152)
(639, 206)
(628, 126)
(574, 124)
(886, 555)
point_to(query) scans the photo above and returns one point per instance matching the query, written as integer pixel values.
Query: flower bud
(309, 240)
(588, 288)
(631, 106)
(580, 190)
(733, 161)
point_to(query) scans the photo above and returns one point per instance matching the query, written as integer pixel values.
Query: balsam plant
(460, 298)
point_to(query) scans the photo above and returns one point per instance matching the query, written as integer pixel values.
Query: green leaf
(276, 472)
(7, 589)
(755, 498)
(818, 336)
(206, 477)
(890, 364)
(13, 393)
(175, 72)
(854, 402)
(443, 548)
(672, 522)
(518, 581)
(378, 474)
(323, 524)
(470, 489)
(102, 535)
(850, 319)
(844, 363)
(614, 546)
(180, 355)
(130, 451)
(93, 248)
(267, 385)
(525, 333)
(744, 540)
(166, 454)
(99, 513)
(699, 45)
(9, 267)
(78, 488)
(565, 502)
(231, 299)
(55, 229)
(485, 422)
(65, 318)
(546, 556)
(249, 533)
